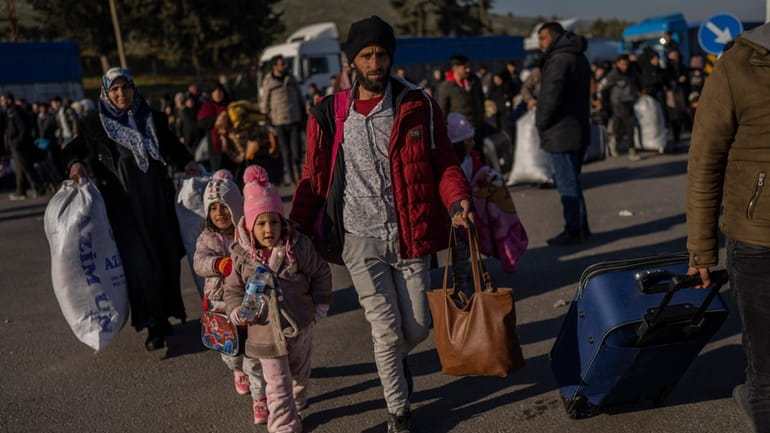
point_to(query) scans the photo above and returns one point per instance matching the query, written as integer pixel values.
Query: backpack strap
(341, 111)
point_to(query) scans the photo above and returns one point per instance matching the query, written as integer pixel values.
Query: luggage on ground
(631, 331)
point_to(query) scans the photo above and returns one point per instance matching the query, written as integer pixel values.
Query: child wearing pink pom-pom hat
(223, 203)
(298, 294)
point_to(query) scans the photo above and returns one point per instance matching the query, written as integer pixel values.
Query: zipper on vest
(755, 196)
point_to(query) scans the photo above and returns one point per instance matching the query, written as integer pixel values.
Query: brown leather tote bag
(476, 335)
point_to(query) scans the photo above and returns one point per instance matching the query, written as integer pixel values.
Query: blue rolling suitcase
(631, 331)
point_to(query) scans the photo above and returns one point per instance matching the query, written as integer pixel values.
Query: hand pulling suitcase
(631, 331)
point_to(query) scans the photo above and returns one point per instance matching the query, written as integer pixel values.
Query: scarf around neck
(134, 128)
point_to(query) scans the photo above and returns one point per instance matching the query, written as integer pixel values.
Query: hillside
(297, 13)
(344, 12)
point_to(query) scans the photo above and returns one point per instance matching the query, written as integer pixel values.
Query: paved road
(50, 382)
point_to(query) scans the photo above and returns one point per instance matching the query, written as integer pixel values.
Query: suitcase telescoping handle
(653, 318)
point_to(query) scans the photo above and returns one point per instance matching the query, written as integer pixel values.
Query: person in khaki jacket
(729, 160)
(283, 103)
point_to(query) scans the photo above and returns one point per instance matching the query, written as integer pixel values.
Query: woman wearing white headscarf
(126, 152)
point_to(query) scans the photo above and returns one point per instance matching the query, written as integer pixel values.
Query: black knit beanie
(368, 31)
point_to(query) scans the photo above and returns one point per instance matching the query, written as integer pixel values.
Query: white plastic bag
(86, 270)
(191, 214)
(531, 163)
(202, 149)
(651, 123)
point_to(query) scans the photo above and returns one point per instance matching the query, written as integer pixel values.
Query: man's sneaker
(741, 398)
(400, 423)
(241, 382)
(566, 238)
(15, 197)
(260, 411)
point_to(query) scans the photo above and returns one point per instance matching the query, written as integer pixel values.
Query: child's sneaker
(241, 382)
(260, 411)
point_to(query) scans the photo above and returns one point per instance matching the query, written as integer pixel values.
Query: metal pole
(118, 39)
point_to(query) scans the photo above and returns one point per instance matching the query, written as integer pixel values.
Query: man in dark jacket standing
(382, 170)
(18, 138)
(622, 89)
(562, 119)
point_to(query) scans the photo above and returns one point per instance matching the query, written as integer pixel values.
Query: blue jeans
(749, 269)
(567, 167)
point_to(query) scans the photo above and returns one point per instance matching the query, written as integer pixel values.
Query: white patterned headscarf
(134, 128)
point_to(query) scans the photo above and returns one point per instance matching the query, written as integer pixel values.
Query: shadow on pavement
(29, 207)
(449, 404)
(542, 265)
(22, 216)
(592, 179)
(343, 301)
(185, 341)
(467, 397)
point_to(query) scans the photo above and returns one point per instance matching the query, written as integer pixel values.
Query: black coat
(563, 108)
(651, 78)
(140, 207)
(455, 99)
(18, 129)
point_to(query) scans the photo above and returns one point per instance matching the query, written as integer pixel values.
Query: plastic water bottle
(253, 301)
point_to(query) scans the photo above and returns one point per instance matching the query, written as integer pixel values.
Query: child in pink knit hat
(298, 294)
(223, 203)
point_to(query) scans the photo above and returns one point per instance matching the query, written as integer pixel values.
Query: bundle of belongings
(245, 132)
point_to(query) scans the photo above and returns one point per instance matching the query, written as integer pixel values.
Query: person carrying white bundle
(126, 150)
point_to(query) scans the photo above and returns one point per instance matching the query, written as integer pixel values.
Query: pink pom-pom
(255, 173)
(222, 174)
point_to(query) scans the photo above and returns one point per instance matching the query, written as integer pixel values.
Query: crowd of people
(675, 87)
(385, 174)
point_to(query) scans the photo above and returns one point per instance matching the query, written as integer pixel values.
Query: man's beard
(375, 86)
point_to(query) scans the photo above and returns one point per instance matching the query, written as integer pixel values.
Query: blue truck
(649, 33)
(38, 71)
(420, 55)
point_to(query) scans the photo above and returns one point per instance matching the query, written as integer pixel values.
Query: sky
(633, 10)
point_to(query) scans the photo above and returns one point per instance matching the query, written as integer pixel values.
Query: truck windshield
(637, 44)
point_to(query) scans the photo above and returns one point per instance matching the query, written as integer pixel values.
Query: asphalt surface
(51, 382)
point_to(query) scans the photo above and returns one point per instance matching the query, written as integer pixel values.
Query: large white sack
(652, 125)
(86, 270)
(531, 163)
(191, 215)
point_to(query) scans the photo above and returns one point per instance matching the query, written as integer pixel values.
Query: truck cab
(650, 31)
(312, 54)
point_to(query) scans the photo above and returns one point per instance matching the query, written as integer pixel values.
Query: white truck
(312, 54)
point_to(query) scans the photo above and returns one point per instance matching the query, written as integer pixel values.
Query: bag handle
(478, 270)
(480, 273)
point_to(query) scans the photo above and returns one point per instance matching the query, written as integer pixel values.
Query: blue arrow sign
(717, 31)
